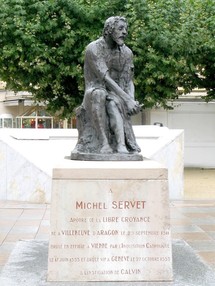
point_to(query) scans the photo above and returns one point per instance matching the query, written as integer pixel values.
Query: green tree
(173, 41)
(204, 58)
(42, 47)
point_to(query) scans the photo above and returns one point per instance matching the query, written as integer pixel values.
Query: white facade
(197, 119)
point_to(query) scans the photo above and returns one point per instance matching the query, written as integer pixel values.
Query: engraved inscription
(114, 205)
(115, 236)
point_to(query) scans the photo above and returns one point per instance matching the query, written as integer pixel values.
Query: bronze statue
(104, 118)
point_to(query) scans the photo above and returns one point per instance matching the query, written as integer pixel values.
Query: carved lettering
(90, 205)
(107, 232)
(99, 245)
(114, 205)
(128, 204)
(75, 232)
(130, 271)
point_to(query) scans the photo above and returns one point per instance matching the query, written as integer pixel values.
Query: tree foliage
(42, 46)
(174, 44)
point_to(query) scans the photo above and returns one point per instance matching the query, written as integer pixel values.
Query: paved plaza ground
(192, 219)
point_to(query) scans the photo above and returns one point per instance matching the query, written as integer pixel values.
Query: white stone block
(110, 222)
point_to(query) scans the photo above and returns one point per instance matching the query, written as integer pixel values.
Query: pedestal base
(106, 157)
(110, 223)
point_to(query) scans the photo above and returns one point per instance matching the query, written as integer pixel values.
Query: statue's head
(116, 27)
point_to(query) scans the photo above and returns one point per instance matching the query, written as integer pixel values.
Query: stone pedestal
(110, 222)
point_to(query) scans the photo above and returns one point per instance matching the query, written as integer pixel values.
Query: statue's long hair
(110, 24)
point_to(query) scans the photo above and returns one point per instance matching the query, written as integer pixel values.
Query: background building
(19, 110)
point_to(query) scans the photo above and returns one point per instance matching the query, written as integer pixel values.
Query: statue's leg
(98, 100)
(117, 126)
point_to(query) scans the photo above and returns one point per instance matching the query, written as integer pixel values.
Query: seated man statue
(104, 118)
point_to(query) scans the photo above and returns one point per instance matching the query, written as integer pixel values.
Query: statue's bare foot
(122, 149)
(106, 149)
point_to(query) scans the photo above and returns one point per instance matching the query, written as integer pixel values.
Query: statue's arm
(131, 89)
(96, 61)
(130, 68)
(113, 86)
(132, 105)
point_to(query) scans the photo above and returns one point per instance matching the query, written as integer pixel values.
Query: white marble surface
(28, 156)
(106, 228)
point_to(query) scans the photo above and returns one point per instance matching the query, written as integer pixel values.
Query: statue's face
(119, 32)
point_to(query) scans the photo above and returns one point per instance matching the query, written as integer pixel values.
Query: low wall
(28, 156)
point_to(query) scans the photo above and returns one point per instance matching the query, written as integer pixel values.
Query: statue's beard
(120, 41)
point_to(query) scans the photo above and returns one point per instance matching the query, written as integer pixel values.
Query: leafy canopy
(42, 47)
(174, 45)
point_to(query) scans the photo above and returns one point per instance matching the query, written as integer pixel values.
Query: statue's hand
(134, 107)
